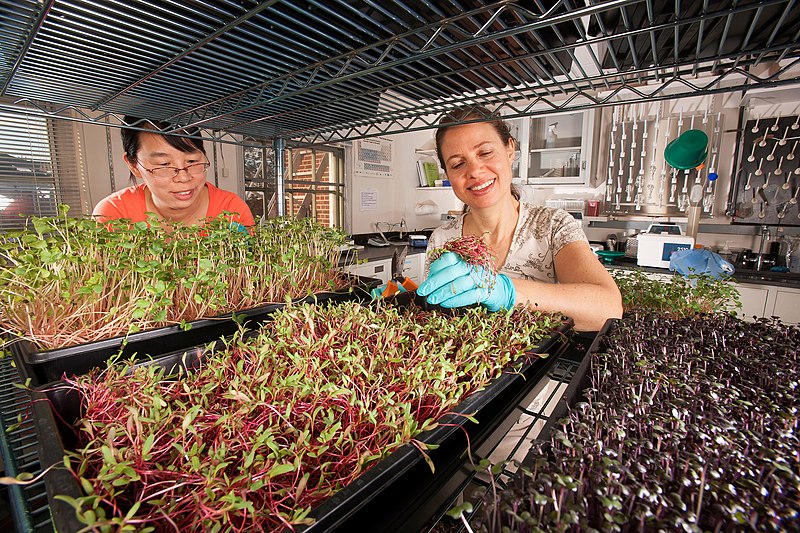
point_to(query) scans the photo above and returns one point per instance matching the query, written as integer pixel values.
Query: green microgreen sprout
(68, 281)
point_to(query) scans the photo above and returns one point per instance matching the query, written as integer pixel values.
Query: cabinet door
(412, 267)
(381, 269)
(557, 148)
(754, 301)
(787, 305)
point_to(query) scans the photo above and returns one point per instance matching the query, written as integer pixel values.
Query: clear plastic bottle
(551, 137)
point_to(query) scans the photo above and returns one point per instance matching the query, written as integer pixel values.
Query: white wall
(398, 196)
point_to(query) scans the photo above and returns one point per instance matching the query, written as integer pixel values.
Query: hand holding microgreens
(463, 273)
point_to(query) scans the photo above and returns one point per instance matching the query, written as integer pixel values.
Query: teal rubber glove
(452, 282)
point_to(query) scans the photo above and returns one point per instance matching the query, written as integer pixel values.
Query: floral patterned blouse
(540, 233)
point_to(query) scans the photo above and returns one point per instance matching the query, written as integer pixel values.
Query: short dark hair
(474, 113)
(131, 143)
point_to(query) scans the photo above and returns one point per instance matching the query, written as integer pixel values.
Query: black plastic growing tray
(574, 391)
(399, 493)
(46, 366)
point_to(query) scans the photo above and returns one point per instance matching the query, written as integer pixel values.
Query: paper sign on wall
(369, 199)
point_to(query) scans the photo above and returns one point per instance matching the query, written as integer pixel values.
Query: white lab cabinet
(786, 304)
(554, 149)
(414, 267)
(380, 269)
(753, 299)
(769, 300)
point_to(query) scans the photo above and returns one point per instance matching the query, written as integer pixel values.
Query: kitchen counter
(376, 253)
(756, 277)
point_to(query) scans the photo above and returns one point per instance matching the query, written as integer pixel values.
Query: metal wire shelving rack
(18, 443)
(537, 413)
(321, 72)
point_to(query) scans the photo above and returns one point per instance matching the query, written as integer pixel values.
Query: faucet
(765, 236)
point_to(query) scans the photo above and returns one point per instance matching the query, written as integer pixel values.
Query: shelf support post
(279, 146)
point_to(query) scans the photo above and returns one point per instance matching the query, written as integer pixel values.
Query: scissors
(399, 282)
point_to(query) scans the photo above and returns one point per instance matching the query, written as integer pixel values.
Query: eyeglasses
(195, 169)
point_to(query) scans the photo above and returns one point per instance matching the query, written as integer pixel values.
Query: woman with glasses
(541, 255)
(172, 170)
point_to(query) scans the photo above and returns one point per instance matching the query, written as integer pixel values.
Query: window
(40, 168)
(314, 184)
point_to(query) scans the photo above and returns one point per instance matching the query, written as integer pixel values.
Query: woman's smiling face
(180, 193)
(477, 163)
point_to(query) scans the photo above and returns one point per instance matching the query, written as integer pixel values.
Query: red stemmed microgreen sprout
(474, 251)
(277, 420)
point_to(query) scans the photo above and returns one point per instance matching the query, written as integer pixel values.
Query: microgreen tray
(45, 366)
(399, 493)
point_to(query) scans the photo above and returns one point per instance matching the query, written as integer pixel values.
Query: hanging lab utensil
(782, 142)
(744, 209)
(771, 156)
(693, 211)
(757, 190)
(763, 194)
(790, 156)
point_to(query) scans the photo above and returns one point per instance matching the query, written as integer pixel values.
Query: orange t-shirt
(130, 203)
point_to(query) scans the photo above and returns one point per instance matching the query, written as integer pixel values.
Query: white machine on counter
(659, 242)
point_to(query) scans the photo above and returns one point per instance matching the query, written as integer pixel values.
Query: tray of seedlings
(76, 293)
(687, 422)
(341, 416)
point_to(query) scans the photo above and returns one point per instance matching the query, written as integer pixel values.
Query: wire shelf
(321, 72)
(535, 422)
(18, 445)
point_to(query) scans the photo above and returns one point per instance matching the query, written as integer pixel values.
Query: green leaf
(148, 444)
(277, 470)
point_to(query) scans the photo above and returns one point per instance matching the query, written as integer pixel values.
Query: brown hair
(474, 113)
